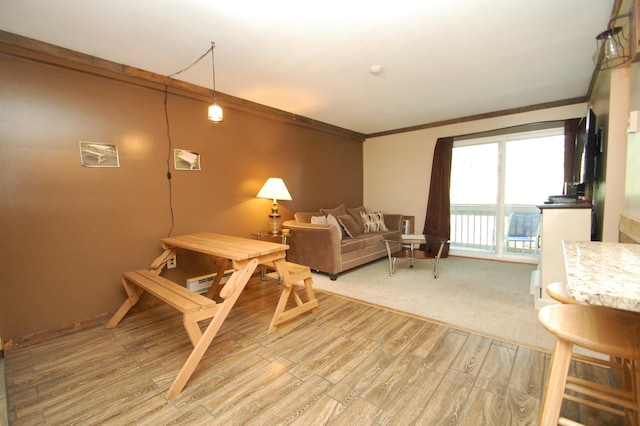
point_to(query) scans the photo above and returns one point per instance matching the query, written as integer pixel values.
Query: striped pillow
(373, 222)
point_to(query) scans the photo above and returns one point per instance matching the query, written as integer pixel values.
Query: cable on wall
(166, 117)
(169, 157)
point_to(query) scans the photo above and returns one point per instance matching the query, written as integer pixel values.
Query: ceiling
(441, 59)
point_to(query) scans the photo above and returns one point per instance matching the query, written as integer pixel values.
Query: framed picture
(96, 154)
(186, 160)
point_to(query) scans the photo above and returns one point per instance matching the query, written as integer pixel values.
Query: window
(496, 182)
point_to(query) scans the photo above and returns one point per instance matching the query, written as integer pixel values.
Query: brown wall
(67, 231)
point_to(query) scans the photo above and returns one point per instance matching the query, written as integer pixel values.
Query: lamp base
(274, 220)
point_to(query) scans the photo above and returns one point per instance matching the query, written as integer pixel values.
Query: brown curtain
(570, 132)
(438, 219)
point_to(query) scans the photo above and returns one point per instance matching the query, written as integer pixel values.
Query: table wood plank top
(224, 246)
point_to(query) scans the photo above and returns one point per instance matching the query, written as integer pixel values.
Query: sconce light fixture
(215, 111)
(612, 46)
(275, 189)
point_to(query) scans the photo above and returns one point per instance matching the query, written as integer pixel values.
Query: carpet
(485, 297)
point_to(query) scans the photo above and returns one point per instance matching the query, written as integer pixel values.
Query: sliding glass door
(496, 183)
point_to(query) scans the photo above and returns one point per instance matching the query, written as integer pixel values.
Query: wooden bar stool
(558, 292)
(600, 329)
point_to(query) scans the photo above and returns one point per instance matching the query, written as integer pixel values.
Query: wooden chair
(600, 329)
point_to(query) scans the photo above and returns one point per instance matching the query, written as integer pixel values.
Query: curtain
(570, 132)
(438, 219)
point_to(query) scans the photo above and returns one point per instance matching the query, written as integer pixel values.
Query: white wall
(397, 168)
(632, 182)
(619, 98)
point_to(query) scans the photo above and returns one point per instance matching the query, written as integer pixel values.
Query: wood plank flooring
(347, 364)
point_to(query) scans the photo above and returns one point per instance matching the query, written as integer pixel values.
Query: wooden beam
(26, 48)
(482, 116)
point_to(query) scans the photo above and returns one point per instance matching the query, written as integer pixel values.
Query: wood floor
(347, 364)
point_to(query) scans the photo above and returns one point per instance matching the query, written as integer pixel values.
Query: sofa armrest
(316, 246)
(393, 221)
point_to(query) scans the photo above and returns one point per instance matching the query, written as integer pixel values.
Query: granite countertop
(606, 274)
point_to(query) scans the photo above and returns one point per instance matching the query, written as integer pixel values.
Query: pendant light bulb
(215, 112)
(610, 49)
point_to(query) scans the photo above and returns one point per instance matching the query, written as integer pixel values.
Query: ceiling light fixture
(215, 111)
(612, 46)
(375, 69)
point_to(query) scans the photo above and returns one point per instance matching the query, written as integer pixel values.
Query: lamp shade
(275, 189)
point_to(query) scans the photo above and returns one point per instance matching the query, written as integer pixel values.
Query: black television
(585, 150)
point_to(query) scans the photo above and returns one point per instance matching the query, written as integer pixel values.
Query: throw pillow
(319, 220)
(335, 212)
(369, 224)
(350, 226)
(355, 214)
(380, 219)
(331, 220)
(373, 222)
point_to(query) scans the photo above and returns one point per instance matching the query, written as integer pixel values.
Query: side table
(410, 249)
(268, 236)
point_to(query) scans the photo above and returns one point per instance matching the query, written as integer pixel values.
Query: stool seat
(558, 292)
(598, 328)
(601, 329)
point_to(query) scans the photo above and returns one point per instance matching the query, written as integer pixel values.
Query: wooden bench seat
(193, 306)
(173, 294)
(300, 275)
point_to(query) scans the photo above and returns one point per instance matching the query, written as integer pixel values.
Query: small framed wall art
(96, 154)
(186, 160)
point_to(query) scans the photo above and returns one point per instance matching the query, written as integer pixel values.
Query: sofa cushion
(350, 226)
(335, 212)
(355, 213)
(350, 245)
(305, 217)
(331, 220)
(319, 220)
(371, 239)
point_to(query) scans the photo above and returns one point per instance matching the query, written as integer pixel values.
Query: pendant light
(215, 111)
(612, 46)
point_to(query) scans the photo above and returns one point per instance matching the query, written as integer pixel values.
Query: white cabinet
(558, 222)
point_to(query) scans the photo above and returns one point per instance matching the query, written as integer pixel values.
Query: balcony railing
(475, 226)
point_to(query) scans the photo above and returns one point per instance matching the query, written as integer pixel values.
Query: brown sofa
(326, 248)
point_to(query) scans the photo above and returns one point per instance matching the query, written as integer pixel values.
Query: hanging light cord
(166, 117)
(196, 61)
(213, 69)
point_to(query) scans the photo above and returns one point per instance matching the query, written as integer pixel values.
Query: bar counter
(606, 274)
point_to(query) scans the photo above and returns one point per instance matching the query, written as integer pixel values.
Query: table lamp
(275, 189)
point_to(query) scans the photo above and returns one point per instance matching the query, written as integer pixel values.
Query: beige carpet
(490, 298)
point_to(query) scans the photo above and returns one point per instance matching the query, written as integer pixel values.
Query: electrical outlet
(172, 262)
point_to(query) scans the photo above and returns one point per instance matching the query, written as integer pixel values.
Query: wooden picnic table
(244, 255)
